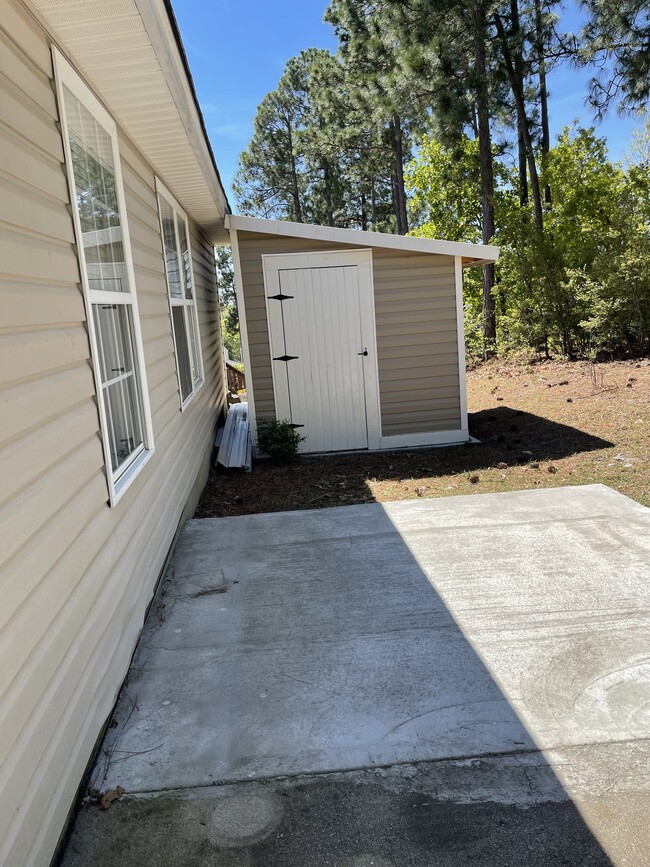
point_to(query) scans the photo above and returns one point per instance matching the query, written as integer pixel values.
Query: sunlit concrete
(469, 629)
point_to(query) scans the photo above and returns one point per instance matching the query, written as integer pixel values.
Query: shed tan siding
(417, 344)
(75, 575)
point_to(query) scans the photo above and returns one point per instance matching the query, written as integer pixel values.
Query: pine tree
(271, 181)
(618, 32)
(382, 92)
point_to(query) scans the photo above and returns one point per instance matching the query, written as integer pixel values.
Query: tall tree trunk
(515, 29)
(364, 213)
(522, 119)
(399, 196)
(295, 191)
(373, 203)
(522, 161)
(479, 27)
(327, 182)
(543, 91)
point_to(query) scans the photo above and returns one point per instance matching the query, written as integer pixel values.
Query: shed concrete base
(488, 654)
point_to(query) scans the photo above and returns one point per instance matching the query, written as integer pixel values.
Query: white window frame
(120, 479)
(190, 304)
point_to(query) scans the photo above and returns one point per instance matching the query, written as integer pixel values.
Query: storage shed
(354, 337)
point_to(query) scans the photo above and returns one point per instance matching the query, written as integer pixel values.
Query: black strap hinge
(280, 297)
(285, 357)
(294, 426)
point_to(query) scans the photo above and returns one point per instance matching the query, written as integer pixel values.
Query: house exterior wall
(76, 576)
(417, 341)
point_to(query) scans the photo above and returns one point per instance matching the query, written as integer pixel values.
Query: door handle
(365, 352)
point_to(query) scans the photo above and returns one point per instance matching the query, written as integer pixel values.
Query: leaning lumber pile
(234, 439)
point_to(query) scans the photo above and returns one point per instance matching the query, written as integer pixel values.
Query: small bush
(278, 439)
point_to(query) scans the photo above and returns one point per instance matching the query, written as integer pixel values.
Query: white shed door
(317, 348)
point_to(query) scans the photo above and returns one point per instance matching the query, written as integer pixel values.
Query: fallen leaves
(105, 799)
(109, 796)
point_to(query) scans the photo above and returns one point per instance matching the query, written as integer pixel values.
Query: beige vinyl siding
(417, 345)
(75, 575)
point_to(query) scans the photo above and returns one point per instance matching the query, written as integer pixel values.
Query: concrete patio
(426, 682)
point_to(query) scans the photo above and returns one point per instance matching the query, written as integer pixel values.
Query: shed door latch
(365, 352)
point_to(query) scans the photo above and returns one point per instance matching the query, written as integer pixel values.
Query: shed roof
(471, 254)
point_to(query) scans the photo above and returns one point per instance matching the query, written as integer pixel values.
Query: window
(92, 160)
(180, 285)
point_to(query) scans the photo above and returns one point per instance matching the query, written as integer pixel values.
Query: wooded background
(433, 119)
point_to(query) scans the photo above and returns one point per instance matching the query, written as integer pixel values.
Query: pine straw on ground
(544, 424)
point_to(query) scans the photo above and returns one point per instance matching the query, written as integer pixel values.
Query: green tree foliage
(463, 84)
(384, 90)
(445, 187)
(445, 190)
(225, 276)
(271, 181)
(316, 154)
(583, 286)
(228, 302)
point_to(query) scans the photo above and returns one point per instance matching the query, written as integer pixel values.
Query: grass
(544, 425)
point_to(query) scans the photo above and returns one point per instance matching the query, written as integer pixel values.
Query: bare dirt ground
(544, 424)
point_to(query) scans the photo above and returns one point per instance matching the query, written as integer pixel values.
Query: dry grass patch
(540, 425)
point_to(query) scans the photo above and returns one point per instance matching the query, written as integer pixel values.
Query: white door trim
(272, 264)
(243, 332)
(460, 336)
(415, 440)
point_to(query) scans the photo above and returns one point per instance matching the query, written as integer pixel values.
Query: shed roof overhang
(131, 54)
(471, 254)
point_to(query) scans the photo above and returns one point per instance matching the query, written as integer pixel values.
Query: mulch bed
(542, 424)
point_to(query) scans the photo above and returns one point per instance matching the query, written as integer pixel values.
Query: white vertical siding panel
(319, 408)
(321, 324)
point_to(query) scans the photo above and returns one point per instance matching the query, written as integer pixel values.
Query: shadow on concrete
(329, 708)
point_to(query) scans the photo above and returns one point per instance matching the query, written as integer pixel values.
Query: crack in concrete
(291, 775)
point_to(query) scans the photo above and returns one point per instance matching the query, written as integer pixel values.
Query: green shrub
(278, 439)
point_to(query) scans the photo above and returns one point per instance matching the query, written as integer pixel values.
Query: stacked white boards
(234, 439)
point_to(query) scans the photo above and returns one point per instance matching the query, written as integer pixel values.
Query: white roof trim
(159, 28)
(472, 254)
(128, 53)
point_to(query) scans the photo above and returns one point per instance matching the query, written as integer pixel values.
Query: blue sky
(237, 50)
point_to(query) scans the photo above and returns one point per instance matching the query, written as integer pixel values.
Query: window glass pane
(120, 380)
(125, 428)
(182, 351)
(115, 338)
(185, 256)
(195, 347)
(178, 259)
(171, 251)
(95, 187)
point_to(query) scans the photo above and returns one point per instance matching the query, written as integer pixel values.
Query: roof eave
(197, 106)
(471, 254)
(130, 54)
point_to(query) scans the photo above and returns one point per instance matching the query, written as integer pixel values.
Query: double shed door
(320, 310)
